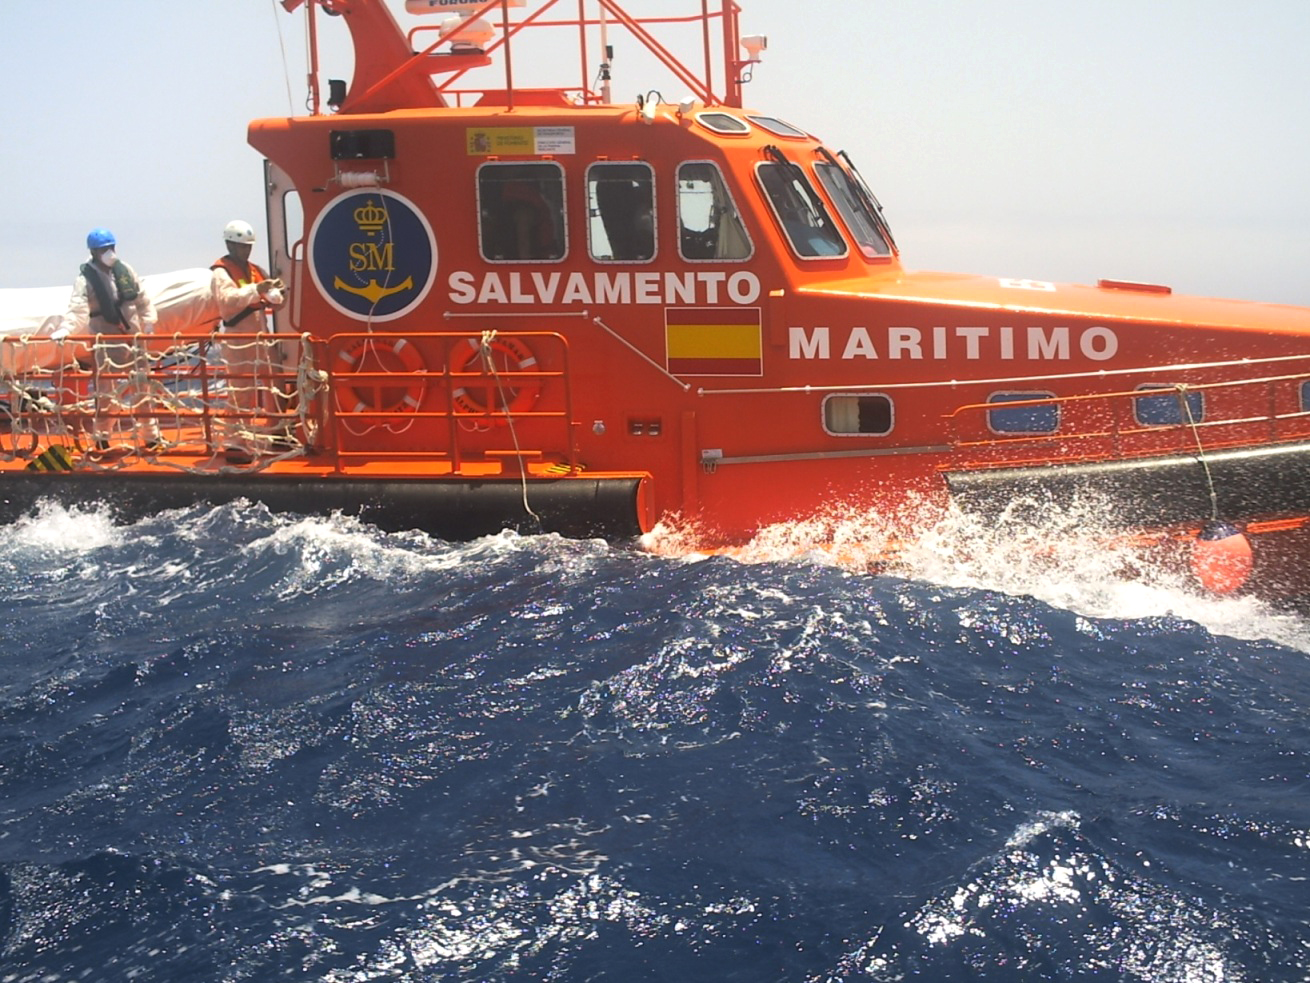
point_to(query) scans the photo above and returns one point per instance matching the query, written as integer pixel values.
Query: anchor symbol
(374, 291)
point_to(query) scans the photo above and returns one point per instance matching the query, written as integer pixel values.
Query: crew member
(110, 302)
(244, 294)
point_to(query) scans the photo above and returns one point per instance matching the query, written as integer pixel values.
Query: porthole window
(723, 123)
(521, 212)
(777, 126)
(849, 414)
(1167, 409)
(1038, 418)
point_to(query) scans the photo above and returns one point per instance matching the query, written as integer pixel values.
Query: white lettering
(1054, 346)
(576, 290)
(679, 288)
(904, 341)
(801, 345)
(617, 290)
(648, 288)
(528, 287)
(516, 294)
(1098, 344)
(1007, 343)
(492, 290)
(711, 283)
(971, 336)
(743, 288)
(963, 343)
(859, 345)
(545, 285)
(461, 288)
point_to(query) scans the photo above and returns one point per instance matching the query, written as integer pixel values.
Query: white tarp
(183, 301)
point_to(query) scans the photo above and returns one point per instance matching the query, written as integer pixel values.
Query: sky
(1164, 141)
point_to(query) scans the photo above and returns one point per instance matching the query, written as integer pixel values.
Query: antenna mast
(605, 56)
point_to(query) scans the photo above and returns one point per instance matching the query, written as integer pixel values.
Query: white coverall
(251, 364)
(114, 350)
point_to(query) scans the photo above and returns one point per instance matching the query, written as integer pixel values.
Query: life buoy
(507, 355)
(393, 356)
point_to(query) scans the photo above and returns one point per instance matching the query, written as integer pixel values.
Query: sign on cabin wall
(491, 140)
(372, 254)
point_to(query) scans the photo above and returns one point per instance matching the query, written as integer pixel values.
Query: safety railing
(106, 396)
(467, 398)
(1152, 419)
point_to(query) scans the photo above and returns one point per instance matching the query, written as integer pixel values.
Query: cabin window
(800, 212)
(1041, 418)
(848, 414)
(777, 126)
(521, 209)
(291, 217)
(1167, 409)
(722, 123)
(1305, 397)
(621, 212)
(709, 227)
(854, 210)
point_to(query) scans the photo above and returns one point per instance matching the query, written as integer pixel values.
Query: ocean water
(243, 747)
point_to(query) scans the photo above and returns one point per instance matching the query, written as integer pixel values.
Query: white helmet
(238, 231)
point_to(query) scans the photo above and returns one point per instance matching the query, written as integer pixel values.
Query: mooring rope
(1181, 389)
(489, 364)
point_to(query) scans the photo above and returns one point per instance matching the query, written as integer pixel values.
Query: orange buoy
(1221, 558)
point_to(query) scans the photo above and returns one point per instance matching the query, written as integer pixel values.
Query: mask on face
(107, 258)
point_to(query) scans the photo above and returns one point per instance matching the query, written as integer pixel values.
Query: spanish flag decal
(713, 341)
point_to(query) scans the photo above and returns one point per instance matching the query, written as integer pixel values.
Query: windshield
(872, 204)
(800, 211)
(855, 211)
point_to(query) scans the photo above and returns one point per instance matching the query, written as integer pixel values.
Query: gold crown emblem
(370, 218)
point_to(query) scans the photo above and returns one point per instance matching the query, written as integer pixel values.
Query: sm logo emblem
(372, 254)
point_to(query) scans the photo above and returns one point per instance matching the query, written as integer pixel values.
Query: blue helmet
(99, 239)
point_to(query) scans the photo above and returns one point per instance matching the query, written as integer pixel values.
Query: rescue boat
(544, 309)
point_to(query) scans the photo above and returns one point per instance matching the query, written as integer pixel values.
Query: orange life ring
(371, 355)
(507, 355)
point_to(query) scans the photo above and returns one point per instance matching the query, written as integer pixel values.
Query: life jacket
(242, 274)
(124, 282)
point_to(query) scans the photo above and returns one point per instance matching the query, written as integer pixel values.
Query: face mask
(107, 258)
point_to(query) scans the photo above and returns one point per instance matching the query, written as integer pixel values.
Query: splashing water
(1073, 558)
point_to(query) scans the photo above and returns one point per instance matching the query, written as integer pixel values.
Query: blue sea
(237, 746)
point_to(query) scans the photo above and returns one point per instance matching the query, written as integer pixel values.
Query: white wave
(1073, 559)
(338, 548)
(57, 529)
